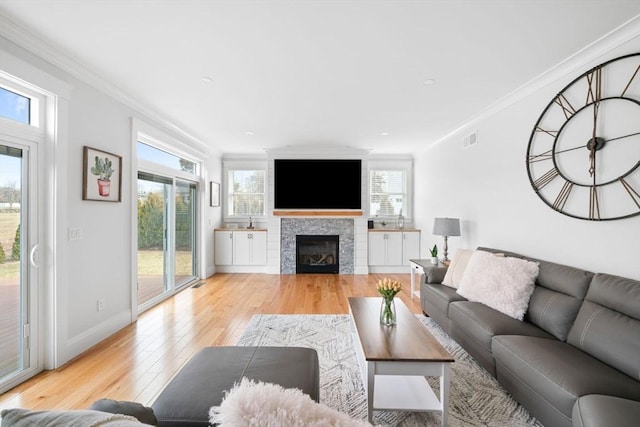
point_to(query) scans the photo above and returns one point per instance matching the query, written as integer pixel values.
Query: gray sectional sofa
(573, 360)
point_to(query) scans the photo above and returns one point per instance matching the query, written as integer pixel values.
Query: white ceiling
(348, 73)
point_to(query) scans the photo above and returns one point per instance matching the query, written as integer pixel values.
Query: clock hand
(623, 136)
(593, 142)
(544, 155)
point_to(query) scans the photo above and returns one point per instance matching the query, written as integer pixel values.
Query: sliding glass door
(154, 255)
(166, 236)
(18, 262)
(185, 229)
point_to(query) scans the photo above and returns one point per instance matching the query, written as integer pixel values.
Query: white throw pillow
(456, 268)
(502, 283)
(258, 404)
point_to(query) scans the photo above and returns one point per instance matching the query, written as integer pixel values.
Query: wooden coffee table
(395, 360)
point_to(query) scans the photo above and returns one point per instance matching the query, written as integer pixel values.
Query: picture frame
(101, 175)
(214, 193)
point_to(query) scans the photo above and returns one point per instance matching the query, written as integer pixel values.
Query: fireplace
(317, 253)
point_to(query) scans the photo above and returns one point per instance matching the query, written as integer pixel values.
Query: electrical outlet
(101, 304)
(75, 233)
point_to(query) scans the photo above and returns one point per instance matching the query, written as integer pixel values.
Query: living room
(485, 184)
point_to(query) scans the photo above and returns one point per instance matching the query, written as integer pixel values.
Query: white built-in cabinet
(393, 248)
(240, 247)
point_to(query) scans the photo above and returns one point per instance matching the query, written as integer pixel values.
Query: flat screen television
(317, 184)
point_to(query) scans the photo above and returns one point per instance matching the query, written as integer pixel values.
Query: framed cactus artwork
(101, 175)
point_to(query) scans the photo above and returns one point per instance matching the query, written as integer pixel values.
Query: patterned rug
(475, 399)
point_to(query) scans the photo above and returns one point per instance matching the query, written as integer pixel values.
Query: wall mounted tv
(317, 184)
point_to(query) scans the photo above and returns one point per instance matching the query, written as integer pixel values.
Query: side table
(421, 266)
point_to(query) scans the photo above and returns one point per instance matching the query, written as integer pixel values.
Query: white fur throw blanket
(261, 404)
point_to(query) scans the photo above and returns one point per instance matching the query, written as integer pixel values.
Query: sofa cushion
(81, 418)
(596, 410)
(608, 323)
(483, 323)
(503, 283)
(440, 296)
(557, 296)
(555, 372)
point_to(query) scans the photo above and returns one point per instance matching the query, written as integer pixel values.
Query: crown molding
(576, 62)
(36, 45)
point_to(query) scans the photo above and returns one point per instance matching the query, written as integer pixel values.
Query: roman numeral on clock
(637, 72)
(546, 178)
(561, 200)
(566, 106)
(594, 79)
(635, 196)
(594, 207)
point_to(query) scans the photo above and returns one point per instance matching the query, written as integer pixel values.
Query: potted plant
(103, 169)
(434, 254)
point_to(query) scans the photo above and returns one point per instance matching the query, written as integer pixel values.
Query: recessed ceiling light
(384, 134)
(206, 80)
(248, 133)
(429, 82)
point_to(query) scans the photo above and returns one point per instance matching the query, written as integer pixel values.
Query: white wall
(99, 266)
(487, 187)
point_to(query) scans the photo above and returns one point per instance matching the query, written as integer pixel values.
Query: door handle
(33, 259)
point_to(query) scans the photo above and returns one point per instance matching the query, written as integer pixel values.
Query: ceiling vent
(470, 140)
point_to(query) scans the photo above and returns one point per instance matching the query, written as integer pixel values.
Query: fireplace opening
(317, 253)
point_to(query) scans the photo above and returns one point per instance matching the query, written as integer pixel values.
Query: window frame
(246, 165)
(396, 165)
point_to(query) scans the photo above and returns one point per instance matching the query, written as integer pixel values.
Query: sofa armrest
(434, 274)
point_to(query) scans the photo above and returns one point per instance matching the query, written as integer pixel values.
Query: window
(155, 155)
(390, 187)
(246, 193)
(15, 106)
(244, 188)
(388, 192)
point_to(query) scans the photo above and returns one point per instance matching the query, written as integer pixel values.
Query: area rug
(475, 398)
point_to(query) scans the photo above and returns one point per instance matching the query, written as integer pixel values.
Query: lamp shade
(446, 227)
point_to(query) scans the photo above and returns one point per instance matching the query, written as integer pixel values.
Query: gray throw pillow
(25, 418)
(134, 409)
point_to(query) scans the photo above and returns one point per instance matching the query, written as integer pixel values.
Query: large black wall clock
(583, 157)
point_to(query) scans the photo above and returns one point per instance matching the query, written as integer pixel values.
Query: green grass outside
(149, 264)
(8, 224)
(149, 261)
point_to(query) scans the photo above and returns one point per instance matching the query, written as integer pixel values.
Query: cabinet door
(377, 248)
(394, 248)
(242, 248)
(259, 248)
(223, 247)
(411, 246)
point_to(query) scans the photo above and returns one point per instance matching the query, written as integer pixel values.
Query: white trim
(92, 336)
(576, 62)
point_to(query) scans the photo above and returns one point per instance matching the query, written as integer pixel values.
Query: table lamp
(446, 227)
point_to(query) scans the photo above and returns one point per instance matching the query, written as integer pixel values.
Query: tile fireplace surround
(290, 227)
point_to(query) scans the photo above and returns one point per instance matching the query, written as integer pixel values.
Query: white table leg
(371, 377)
(413, 281)
(444, 392)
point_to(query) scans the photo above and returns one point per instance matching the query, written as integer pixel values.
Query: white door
(242, 247)
(259, 248)
(411, 246)
(223, 247)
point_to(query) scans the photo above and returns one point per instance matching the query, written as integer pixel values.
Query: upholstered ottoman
(203, 380)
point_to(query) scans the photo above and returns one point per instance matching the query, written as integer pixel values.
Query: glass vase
(388, 312)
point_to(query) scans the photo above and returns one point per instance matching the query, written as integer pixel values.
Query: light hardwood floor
(137, 362)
